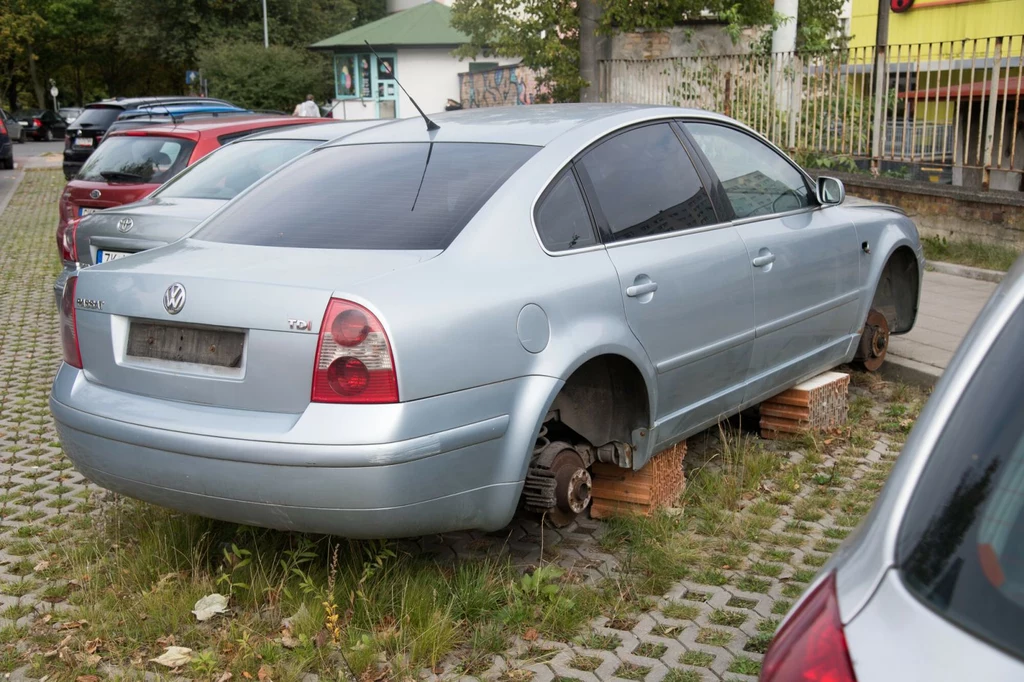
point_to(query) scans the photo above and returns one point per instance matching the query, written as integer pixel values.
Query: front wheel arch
(897, 290)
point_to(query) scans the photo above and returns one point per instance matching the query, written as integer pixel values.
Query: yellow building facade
(935, 21)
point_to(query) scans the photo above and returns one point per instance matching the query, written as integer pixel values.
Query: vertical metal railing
(949, 106)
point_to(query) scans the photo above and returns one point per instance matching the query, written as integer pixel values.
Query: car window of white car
(645, 184)
(756, 179)
(563, 222)
(961, 544)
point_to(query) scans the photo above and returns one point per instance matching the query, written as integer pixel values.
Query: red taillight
(354, 363)
(3, 128)
(37, 123)
(69, 325)
(66, 240)
(811, 646)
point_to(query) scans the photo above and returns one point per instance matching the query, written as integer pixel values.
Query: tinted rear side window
(137, 158)
(375, 196)
(562, 219)
(97, 117)
(961, 545)
(645, 184)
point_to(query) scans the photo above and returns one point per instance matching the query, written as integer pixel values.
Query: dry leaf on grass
(209, 606)
(264, 674)
(41, 566)
(87, 678)
(72, 625)
(531, 634)
(225, 676)
(288, 641)
(174, 657)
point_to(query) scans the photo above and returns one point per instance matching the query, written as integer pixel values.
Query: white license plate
(24, 123)
(103, 256)
(82, 210)
(83, 142)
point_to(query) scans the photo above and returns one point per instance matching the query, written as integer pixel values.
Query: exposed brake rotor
(874, 341)
(558, 484)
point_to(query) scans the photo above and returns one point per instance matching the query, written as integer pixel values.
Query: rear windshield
(229, 170)
(375, 196)
(137, 159)
(97, 117)
(961, 545)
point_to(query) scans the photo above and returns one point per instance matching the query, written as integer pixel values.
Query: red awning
(1010, 86)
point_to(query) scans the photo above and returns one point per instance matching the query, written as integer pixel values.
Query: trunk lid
(83, 197)
(246, 335)
(140, 226)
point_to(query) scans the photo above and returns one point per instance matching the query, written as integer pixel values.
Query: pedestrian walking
(307, 109)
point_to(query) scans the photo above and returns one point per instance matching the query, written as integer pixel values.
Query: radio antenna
(430, 124)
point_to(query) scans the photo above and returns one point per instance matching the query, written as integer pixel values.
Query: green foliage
(633, 15)
(970, 252)
(276, 78)
(545, 33)
(542, 583)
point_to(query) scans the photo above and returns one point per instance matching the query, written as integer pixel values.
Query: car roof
(195, 130)
(322, 132)
(133, 102)
(178, 110)
(535, 125)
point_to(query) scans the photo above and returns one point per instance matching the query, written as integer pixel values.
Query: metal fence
(956, 105)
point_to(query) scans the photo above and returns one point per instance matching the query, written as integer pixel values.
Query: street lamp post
(266, 38)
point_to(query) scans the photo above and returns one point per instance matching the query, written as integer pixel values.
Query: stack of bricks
(818, 404)
(623, 491)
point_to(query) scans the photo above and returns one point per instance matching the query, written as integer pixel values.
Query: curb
(910, 371)
(966, 271)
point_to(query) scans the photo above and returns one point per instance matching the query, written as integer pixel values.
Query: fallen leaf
(264, 674)
(174, 657)
(209, 606)
(531, 634)
(93, 645)
(41, 566)
(165, 641)
(72, 625)
(93, 659)
(87, 678)
(246, 674)
(225, 676)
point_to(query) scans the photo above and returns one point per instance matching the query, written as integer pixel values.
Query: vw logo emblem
(125, 224)
(95, 194)
(174, 298)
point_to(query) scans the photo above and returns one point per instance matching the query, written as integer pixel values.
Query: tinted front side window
(227, 171)
(961, 545)
(756, 179)
(562, 219)
(374, 196)
(132, 158)
(645, 184)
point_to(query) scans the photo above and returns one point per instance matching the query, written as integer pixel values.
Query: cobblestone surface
(712, 626)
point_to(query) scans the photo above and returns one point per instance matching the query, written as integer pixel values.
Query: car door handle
(641, 289)
(761, 261)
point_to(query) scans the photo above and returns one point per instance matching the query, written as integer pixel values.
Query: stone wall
(946, 211)
(696, 40)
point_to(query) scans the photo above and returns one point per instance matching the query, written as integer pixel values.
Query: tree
(545, 33)
(19, 23)
(276, 78)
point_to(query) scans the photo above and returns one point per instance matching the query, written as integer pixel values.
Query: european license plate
(83, 142)
(103, 256)
(83, 211)
(24, 123)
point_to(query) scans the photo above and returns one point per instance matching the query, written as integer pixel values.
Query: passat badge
(174, 298)
(125, 224)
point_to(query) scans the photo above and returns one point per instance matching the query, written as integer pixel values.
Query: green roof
(423, 25)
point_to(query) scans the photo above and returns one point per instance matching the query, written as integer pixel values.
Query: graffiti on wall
(501, 87)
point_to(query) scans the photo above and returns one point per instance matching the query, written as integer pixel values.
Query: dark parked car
(41, 124)
(6, 148)
(69, 114)
(89, 129)
(14, 129)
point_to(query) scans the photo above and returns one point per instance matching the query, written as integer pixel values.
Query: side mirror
(831, 191)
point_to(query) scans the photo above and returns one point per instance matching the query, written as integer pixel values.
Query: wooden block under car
(818, 404)
(622, 491)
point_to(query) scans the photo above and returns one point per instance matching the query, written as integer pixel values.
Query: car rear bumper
(62, 278)
(450, 462)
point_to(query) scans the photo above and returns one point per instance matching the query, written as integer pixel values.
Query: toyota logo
(125, 224)
(95, 194)
(174, 298)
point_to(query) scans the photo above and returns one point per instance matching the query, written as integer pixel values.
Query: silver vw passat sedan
(931, 585)
(406, 331)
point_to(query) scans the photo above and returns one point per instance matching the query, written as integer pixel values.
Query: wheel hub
(874, 341)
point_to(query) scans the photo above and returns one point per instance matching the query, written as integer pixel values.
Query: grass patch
(729, 618)
(680, 675)
(681, 611)
(594, 640)
(700, 659)
(741, 603)
(650, 650)
(969, 252)
(713, 637)
(630, 671)
(749, 583)
(759, 643)
(585, 663)
(744, 665)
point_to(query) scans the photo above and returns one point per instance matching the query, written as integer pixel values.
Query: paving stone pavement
(712, 626)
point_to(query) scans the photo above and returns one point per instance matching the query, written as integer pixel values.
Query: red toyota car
(131, 164)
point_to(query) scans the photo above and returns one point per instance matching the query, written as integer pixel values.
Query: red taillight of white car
(811, 646)
(69, 325)
(354, 363)
(66, 240)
